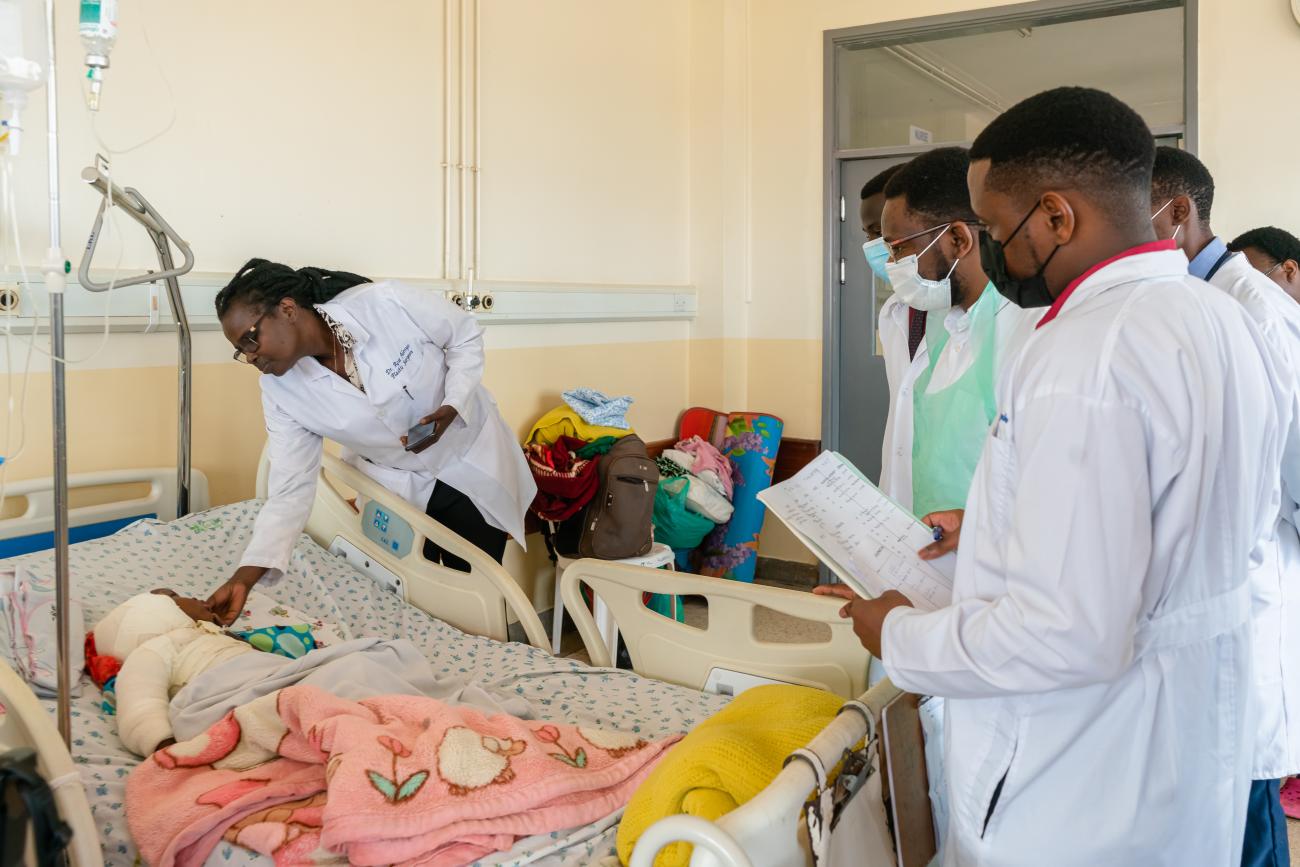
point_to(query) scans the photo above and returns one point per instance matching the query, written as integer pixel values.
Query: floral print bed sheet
(195, 554)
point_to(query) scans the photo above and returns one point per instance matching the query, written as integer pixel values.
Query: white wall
(311, 132)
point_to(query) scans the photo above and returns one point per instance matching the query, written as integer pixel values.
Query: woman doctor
(361, 363)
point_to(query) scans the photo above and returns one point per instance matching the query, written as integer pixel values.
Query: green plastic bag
(675, 526)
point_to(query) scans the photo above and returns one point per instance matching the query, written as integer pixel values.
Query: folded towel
(728, 759)
(595, 408)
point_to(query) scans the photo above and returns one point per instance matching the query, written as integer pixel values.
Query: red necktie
(915, 330)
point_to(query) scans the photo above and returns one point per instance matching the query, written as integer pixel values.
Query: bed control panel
(387, 530)
(366, 565)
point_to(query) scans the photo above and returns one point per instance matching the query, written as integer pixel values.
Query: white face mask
(1174, 236)
(916, 291)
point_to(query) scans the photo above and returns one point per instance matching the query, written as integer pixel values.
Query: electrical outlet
(10, 298)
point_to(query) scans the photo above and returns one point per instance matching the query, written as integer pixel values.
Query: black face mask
(1029, 292)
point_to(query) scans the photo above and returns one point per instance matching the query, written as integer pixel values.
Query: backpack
(618, 521)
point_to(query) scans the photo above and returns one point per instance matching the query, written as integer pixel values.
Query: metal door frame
(1035, 13)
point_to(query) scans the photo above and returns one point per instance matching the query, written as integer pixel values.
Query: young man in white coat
(971, 329)
(1275, 253)
(1182, 195)
(1097, 648)
(902, 343)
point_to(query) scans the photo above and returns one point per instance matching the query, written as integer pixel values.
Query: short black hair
(1278, 244)
(934, 185)
(876, 185)
(1070, 138)
(263, 284)
(1178, 173)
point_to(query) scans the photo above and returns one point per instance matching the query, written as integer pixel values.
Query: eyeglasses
(248, 343)
(894, 245)
(1270, 271)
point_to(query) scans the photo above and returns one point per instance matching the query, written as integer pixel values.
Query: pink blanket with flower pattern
(305, 777)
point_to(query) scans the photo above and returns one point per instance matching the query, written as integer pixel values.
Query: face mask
(917, 291)
(877, 253)
(1174, 236)
(1026, 293)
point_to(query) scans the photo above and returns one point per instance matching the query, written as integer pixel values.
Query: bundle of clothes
(344, 751)
(695, 495)
(595, 481)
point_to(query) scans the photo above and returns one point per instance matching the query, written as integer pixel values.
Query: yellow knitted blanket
(564, 422)
(728, 759)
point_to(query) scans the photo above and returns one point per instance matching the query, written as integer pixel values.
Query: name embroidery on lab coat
(403, 358)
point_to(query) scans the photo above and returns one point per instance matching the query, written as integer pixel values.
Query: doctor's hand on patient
(229, 598)
(868, 615)
(442, 419)
(949, 524)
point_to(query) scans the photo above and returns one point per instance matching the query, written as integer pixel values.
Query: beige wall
(656, 141)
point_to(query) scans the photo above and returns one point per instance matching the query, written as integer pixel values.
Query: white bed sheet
(195, 554)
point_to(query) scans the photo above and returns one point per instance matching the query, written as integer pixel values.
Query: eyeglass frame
(891, 245)
(249, 340)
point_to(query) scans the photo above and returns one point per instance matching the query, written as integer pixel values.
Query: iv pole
(163, 236)
(55, 270)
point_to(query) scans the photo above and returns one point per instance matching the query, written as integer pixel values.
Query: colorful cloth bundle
(564, 422)
(675, 524)
(565, 482)
(103, 672)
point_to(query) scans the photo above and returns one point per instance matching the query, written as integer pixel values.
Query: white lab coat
(1013, 326)
(901, 373)
(415, 352)
(1096, 655)
(1275, 572)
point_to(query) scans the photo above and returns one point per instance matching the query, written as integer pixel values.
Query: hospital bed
(379, 584)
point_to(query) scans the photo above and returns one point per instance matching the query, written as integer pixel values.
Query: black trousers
(457, 513)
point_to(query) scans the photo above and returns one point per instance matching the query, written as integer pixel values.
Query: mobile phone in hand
(421, 435)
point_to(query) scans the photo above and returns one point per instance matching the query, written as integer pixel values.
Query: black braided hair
(263, 284)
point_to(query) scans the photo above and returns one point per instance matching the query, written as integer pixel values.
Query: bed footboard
(765, 832)
(679, 653)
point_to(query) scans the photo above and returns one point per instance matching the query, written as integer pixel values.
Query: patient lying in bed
(181, 673)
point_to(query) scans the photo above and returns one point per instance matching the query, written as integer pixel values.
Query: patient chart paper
(867, 539)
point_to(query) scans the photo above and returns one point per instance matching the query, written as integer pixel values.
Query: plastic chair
(659, 557)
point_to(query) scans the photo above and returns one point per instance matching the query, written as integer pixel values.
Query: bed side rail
(102, 503)
(24, 723)
(675, 652)
(386, 529)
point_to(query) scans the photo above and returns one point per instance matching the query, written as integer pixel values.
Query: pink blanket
(709, 460)
(306, 777)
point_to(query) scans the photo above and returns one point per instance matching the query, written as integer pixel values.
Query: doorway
(895, 90)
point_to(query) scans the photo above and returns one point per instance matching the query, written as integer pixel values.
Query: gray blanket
(354, 670)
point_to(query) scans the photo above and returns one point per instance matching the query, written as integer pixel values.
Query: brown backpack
(617, 522)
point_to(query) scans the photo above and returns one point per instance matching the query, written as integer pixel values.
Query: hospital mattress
(195, 554)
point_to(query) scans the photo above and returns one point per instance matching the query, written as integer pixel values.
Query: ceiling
(1138, 57)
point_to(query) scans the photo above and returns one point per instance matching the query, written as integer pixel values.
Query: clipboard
(902, 757)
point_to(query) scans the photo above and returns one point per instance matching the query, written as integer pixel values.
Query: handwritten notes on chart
(866, 539)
